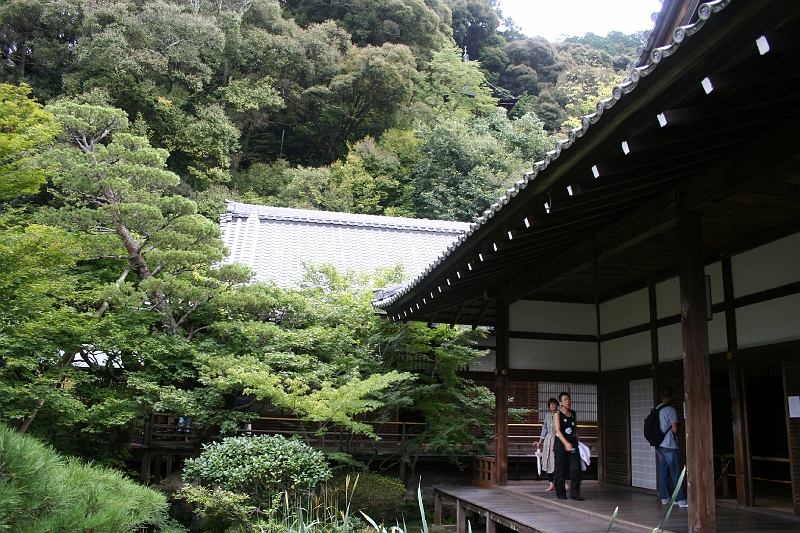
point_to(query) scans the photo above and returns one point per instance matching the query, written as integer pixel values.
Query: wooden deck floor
(525, 507)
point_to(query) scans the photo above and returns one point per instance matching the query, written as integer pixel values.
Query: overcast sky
(551, 18)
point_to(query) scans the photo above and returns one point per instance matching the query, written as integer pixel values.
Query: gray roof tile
(276, 241)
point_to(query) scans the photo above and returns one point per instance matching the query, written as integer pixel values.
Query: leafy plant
(260, 467)
(672, 499)
(374, 494)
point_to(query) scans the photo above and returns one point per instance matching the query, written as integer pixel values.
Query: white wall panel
(717, 292)
(670, 343)
(552, 355)
(769, 322)
(668, 297)
(552, 317)
(717, 334)
(767, 267)
(633, 350)
(626, 311)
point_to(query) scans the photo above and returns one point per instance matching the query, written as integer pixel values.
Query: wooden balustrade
(485, 469)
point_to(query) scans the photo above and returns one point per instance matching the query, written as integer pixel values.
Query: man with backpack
(660, 429)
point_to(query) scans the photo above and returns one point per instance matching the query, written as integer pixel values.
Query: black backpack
(652, 427)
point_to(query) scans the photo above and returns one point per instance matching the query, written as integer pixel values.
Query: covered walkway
(524, 506)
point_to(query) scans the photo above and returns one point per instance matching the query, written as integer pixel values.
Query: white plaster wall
(668, 293)
(767, 267)
(717, 334)
(643, 461)
(670, 339)
(633, 350)
(769, 322)
(668, 297)
(626, 311)
(552, 317)
(552, 355)
(670, 343)
(717, 291)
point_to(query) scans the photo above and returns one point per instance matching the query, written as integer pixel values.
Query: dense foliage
(369, 493)
(335, 106)
(42, 491)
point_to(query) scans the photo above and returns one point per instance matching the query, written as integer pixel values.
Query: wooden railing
(485, 468)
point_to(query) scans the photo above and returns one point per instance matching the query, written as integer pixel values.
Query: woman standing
(566, 451)
(548, 436)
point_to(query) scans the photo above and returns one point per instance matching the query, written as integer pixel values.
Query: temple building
(656, 245)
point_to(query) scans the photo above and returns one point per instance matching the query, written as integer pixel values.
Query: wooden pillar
(601, 468)
(741, 442)
(501, 396)
(461, 517)
(491, 526)
(437, 508)
(697, 375)
(653, 303)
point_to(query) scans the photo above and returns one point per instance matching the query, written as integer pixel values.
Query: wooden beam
(741, 442)
(501, 394)
(543, 336)
(653, 303)
(697, 375)
(766, 155)
(458, 315)
(482, 313)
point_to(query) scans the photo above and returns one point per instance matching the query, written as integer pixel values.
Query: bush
(374, 494)
(43, 491)
(260, 466)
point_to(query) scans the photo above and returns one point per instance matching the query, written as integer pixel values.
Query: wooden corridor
(525, 507)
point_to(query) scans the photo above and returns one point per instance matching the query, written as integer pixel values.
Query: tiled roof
(276, 241)
(636, 72)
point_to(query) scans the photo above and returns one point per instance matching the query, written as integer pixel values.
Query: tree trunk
(29, 420)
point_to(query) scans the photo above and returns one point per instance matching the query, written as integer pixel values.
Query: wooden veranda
(525, 507)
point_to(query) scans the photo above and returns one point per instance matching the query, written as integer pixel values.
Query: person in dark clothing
(566, 451)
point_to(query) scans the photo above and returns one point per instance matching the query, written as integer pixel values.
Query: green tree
(118, 193)
(369, 88)
(449, 85)
(39, 324)
(25, 128)
(461, 170)
(42, 491)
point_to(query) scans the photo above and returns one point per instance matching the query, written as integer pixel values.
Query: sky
(551, 18)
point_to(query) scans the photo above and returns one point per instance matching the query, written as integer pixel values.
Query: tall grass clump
(41, 491)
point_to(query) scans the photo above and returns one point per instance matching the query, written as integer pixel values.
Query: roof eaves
(704, 12)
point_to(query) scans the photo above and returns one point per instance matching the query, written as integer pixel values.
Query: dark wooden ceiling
(732, 154)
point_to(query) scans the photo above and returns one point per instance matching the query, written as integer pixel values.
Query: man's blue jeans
(669, 470)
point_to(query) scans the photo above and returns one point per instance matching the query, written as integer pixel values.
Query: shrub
(43, 491)
(260, 466)
(374, 494)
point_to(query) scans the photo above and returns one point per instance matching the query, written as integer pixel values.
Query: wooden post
(653, 305)
(601, 456)
(696, 375)
(491, 526)
(501, 396)
(437, 508)
(741, 443)
(461, 519)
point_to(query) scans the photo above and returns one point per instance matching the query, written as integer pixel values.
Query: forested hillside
(355, 105)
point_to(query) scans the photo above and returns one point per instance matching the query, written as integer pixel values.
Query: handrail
(771, 459)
